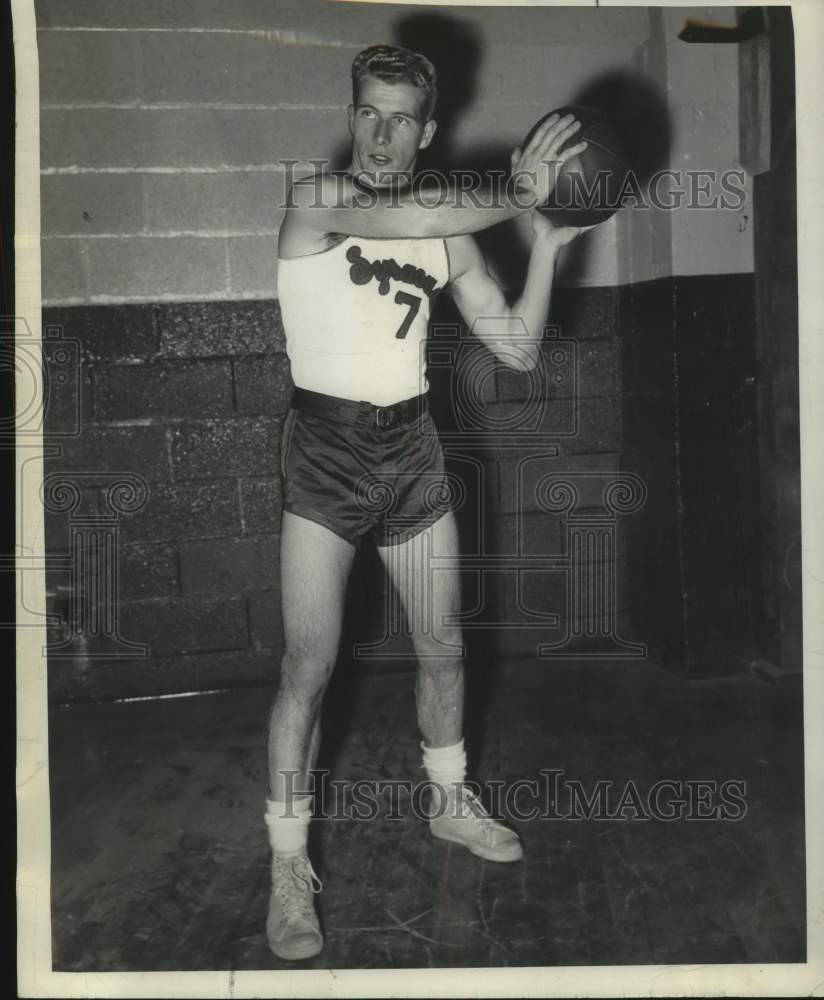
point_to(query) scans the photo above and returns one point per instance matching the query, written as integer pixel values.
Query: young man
(360, 258)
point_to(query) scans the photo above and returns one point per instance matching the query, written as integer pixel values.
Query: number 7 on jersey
(414, 303)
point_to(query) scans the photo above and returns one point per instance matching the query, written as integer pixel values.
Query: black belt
(349, 411)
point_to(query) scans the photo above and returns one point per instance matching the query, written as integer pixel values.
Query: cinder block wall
(163, 130)
(189, 397)
(164, 125)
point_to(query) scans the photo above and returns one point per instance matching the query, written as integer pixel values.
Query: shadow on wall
(455, 49)
(637, 107)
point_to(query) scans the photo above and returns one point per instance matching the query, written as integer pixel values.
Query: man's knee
(305, 673)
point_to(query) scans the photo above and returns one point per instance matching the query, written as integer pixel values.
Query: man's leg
(315, 565)
(431, 599)
(430, 596)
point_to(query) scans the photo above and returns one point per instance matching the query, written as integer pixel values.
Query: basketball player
(355, 280)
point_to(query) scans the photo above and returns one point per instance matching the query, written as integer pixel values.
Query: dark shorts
(359, 477)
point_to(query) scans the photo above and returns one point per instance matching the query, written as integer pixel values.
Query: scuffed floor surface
(160, 858)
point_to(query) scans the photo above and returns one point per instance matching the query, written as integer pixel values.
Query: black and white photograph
(410, 439)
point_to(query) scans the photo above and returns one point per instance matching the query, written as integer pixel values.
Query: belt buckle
(384, 417)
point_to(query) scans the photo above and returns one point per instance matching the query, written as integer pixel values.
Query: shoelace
(471, 805)
(296, 885)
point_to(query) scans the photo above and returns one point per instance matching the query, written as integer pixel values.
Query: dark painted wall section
(690, 412)
(190, 399)
(718, 472)
(777, 351)
(650, 448)
(657, 381)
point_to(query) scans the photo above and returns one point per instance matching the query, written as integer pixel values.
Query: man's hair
(393, 64)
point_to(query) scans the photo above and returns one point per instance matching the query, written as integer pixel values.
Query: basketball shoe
(292, 928)
(464, 820)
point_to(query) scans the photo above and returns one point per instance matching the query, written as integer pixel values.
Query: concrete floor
(160, 858)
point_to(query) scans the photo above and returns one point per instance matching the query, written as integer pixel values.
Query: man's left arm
(513, 333)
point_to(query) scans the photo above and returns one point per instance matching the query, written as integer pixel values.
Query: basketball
(589, 186)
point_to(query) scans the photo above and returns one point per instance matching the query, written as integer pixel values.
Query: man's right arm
(333, 203)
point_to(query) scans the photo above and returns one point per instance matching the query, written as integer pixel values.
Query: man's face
(388, 128)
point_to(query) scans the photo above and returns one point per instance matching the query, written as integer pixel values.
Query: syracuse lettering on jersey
(364, 270)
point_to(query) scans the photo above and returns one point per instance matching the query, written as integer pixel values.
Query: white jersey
(356, 316)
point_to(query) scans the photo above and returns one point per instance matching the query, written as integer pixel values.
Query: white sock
(288, 824)
(445, 765)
